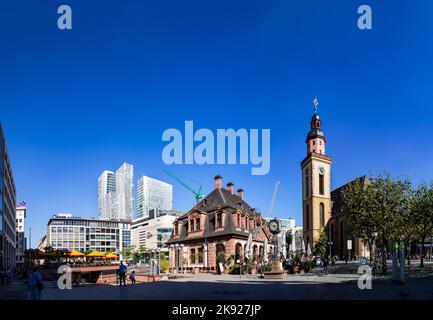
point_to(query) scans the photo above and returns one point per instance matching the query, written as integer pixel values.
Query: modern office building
(153, 232)
(107, 197)
(7, 208)
(115, 194)
(74, 233)
(153, 194)
(21, 214)
(124, 191)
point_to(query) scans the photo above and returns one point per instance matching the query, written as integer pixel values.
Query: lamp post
(402, 249)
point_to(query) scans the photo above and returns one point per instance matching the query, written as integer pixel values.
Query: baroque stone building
(220, 222)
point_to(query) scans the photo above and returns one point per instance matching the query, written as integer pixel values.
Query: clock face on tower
(274, 226)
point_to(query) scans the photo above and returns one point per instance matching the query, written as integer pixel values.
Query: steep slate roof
(217, 199)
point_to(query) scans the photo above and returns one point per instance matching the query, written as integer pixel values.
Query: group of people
(5, 276)
(122, 271)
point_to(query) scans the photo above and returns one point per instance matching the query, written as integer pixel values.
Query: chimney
(241, 193)
(230, 187)
(218, 181)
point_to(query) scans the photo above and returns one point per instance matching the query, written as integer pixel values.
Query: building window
(239, 220)
(307, 187)
(192, 252)
(197, 224)
(200, 255)
(322, 214)
(307, 217)
(321, 184)
(219, 220)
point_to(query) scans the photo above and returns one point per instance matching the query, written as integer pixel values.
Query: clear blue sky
(74, 103)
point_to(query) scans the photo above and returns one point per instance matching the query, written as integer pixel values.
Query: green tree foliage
(379, 205)
(128, 252)
(321, 245)
(420, 220)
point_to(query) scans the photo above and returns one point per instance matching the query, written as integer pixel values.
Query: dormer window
(197, 224)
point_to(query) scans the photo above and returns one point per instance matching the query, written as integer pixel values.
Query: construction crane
(198, 194)
(274, 195)
(273, 199)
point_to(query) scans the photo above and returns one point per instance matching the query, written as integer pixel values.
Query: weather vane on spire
(316, 103)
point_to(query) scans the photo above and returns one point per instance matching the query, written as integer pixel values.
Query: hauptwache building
(221, 221)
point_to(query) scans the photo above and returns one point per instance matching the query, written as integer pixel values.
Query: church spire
(315, 138)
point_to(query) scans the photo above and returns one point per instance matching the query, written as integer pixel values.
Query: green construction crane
(198, 194)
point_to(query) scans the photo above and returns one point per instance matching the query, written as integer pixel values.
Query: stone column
(205, 250)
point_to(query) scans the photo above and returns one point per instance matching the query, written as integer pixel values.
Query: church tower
(316, 182)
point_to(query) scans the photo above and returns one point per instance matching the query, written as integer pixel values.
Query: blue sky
(73, 103)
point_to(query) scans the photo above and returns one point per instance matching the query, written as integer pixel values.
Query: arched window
(307, 186)
(321, 184)
(307, 217)
(322, 214)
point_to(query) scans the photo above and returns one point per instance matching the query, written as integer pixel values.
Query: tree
(321, 245)
(379, 205)
(421, 214)
(128, 252)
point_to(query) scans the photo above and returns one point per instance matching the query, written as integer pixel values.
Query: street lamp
(374, 251)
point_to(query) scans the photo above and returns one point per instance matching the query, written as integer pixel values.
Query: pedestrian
(325, 263)
(36, 284)
(122, 273)
(8, 276)
(132, 277)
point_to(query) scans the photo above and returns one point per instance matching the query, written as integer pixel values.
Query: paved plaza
(340, 282)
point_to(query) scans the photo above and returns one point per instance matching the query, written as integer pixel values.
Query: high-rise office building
(153, 194)
(107, 198)
(115, 194)
(124, 191)
(21, 214)
(7, 208)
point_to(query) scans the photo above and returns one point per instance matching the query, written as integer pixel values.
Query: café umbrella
(76, 253)
(249, 248)
(265, 250)
(111, 255)
(95, 254)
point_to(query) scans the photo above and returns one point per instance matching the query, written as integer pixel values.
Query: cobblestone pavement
(340, 282)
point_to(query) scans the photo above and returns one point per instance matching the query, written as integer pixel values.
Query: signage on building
(349, 244)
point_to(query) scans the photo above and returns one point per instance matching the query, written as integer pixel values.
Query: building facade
(73, 233)
(7, 208)
(125, 192)
(218, 226)
(107, 198)
(153, 194)
(153, 232)
(21, 246)
(337, 229)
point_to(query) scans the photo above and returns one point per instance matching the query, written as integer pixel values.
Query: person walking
(132, 277)
(36, 284)
(122, 273)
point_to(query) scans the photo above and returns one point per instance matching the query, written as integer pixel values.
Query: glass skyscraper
(115, 194)
(153, 194)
